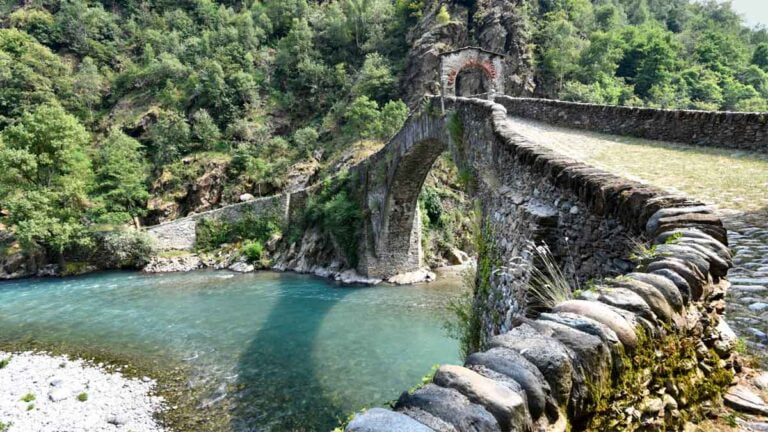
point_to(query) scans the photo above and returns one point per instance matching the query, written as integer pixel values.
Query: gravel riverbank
(44, 393)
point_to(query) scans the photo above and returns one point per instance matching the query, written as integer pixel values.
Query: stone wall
(641, 346)
(180, 234)
(743, 131)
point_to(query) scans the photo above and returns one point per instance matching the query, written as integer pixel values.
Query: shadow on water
(278, 379)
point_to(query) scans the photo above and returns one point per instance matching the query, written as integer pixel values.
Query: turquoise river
(285, 351)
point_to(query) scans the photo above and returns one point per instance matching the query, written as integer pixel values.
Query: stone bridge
(645, 271)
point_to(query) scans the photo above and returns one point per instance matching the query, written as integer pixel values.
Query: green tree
(560, 49)
(204, 129)
(760, 56)
(306, 139)
(46, 178)
(363, 118)
(121, 178)
(375, 79)
(393, 116)
(169, 138)
(30, 75)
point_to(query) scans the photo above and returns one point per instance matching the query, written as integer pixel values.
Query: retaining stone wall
(180, 234)
(736, 130)
(649, 342)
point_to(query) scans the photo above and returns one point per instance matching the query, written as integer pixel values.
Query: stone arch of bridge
(488, 65)
(396, 177)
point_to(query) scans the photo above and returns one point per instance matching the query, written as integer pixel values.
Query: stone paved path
(735, 182)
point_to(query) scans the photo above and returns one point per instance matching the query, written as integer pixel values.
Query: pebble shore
(45, 393)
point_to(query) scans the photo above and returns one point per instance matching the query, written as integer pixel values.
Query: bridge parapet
(733, 130)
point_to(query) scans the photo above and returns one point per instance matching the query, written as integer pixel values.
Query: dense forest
(110, 109)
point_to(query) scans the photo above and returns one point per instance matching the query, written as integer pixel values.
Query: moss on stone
(665, 365)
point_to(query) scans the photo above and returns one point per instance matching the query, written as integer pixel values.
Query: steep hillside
(115, 114)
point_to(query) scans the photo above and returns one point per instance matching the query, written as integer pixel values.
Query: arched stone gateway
(453, 64)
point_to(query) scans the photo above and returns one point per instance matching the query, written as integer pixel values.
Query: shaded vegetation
(335, 210)
(212, 233)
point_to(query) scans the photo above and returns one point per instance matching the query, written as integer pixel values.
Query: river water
(301, 352)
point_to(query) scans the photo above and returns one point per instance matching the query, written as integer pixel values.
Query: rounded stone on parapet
(717, 266)
(713, 230)
(624, 298)
(435, 423)
(583, 324)
(593, 358)
(653, 297)
(713, 246)
(508, 407)
(695, 257)
(517, 367)
(636, 321)
(678, 236)
(594, 328)
(678, 281)
(653, 222)
(657, 203)
(665, 286)
(548, 354)
(686, 270)
(601, 313)
(382, 420)
(451, 407)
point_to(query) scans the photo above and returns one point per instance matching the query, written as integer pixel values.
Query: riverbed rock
(507, 406)
(450, 406)
(761, 381)
(118, 419)
(241, 267)
(168, 264)
(455, 256)
(602, 313)
(382, 420)
(417, 276)
(59, 394)
(352, 277)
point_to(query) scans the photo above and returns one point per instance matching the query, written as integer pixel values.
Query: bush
(128, 249)
(212, 233)
(443, 17)
(253, 251)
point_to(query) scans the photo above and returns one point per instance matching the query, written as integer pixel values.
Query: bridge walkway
(736, 182)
